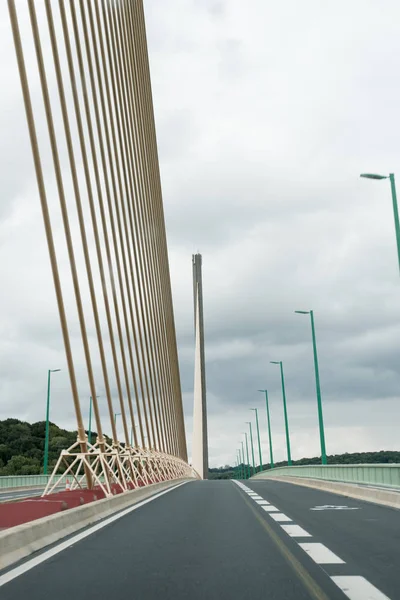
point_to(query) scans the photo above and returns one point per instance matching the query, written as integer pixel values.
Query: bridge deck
(216, 540)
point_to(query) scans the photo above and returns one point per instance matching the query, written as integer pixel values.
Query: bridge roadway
(209, 540)
(17, 493)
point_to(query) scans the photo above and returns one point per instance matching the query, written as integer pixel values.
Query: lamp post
(240, 463)
(271, 455)
(258, 435)
(395, 207)
(248, 461)
(252, 446)
(244, 468)
(317, 385)
(274, 362)
(239, 467)
(47, 432)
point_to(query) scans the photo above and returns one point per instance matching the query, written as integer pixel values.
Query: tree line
(22, 446)
(353, 458)
(22, 451)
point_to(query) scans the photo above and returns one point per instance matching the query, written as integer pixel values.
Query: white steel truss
(116, 467)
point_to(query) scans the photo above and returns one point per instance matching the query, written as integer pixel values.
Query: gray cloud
(265, 118)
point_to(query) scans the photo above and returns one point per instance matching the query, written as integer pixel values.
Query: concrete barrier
(369, 494)
(21, 541)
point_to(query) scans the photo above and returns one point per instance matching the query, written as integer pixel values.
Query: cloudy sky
(266, 114)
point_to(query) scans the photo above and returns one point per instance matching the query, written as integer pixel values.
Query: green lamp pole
(248, 462)
(252, 446)
(258, 434)
(239, 464)
(243, 474)
(115, 417)
(47, 433)
(395, 207)
(317, 385)
(289, 456)
(244, 463)
(271, 455)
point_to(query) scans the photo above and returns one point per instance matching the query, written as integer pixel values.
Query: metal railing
(21, 481)
(379, 475)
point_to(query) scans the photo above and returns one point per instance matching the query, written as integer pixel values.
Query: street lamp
(248, 461)
(240, 465)
(258, 434)
(395, 207)
(274, 362)
(252, 446)
(115, 417)
(246, 474)
(317, 385)
(245, 465)
(271, 456)
(47, 433)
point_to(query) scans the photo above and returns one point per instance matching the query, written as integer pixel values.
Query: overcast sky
(266, 114)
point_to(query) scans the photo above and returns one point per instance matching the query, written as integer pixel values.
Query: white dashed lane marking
(358, 588)
(295, 531)
(320, 553)
(353, 586)
(280, 517)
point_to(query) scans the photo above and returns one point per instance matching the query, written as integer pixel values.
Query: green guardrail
(16, 481)
(387, 475)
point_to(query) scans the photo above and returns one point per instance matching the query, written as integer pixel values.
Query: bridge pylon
(200, 438)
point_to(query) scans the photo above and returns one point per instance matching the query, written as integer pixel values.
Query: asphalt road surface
(219, 540)
(15, 494)
(19, 493)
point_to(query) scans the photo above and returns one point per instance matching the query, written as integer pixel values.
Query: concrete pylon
(200, 441)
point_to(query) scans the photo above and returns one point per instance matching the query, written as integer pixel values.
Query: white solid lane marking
(279, 516)
(257, 498)
(262, 502)
(270, 508)
(33, 562)
(320, 553)
(358, 588)
(295, 531)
